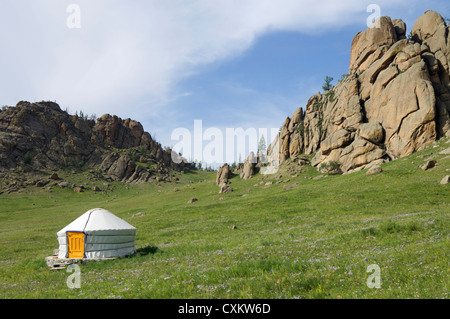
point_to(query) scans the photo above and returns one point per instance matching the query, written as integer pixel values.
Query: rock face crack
(400, 125)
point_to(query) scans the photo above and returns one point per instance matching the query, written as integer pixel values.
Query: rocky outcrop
(223, 175)
(369, 45)
(123, 134)
(40, 136)
(394, 100)
(249, 167)
(431, 31)
(122, 168)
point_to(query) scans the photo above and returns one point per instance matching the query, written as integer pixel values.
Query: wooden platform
(55, 263)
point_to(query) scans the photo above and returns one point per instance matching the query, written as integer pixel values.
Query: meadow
(315, 240)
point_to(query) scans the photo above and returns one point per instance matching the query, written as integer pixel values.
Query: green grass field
(313, 241)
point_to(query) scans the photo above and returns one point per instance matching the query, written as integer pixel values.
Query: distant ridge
(40, 137)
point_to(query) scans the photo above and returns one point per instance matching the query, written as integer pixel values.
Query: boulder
(41, 183)
(65, 185)
(54, 177)
(445, 180)
(288, 187)
(192, 200)
(140, 214)
(428, 26)
(78, 189)
(225, 189)
(373, 132)
(332, 168)
(360, 153)
(428, 165)
(121, 168)
(374, 170)
(400, 28)
(338, 139)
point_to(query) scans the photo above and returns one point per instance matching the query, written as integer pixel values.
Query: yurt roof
(96, 219)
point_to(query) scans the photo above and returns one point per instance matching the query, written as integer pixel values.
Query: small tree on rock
(327, 85)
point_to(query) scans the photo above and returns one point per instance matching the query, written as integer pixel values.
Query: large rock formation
(40, 136)
(394, 100)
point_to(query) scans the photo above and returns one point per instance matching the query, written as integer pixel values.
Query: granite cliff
(394, 100)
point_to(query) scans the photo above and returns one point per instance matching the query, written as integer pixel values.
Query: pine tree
(262, 145)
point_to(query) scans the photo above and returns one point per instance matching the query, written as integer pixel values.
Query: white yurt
(97, 234)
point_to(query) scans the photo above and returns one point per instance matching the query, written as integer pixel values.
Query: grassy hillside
(312, 241)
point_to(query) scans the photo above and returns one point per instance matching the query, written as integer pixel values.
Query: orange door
(76, 244)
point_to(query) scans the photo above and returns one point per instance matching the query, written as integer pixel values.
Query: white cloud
(129, 53)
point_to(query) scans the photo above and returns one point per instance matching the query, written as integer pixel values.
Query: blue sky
(229, 63)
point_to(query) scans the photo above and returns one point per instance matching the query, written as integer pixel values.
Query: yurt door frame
(75, 242)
